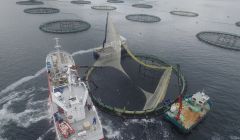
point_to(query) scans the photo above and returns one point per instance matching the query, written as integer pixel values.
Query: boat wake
(23, 80)
(34, 110)
(111, 133)
(44, 134)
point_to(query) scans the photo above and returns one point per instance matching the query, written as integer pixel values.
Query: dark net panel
(219, 39)
(104, 7)
(80, 2)
(65, 26)
(184, 13)
(142, 6)
(41, 10)
(30, 2)
(143, 18)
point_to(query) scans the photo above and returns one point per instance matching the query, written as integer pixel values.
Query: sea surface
(23, 48)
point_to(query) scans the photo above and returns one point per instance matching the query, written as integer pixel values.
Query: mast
(58, 46)
(180, 95)
(104, 41)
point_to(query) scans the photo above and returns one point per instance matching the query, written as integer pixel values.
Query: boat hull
(179, 124)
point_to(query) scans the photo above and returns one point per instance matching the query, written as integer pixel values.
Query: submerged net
(219, 39)
(65, 26)
(143, 18)
(41, 10)
(112, 36)
(184, 13)
(80, 2)
(30, 2)
(104, 7)
(115, 1)
(142, 6)
(238, 24)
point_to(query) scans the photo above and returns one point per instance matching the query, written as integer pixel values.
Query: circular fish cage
(219, 39)
(143, 18)
(30, 2)
(103, 7)
(80, 2)
(65, 26)
(115, 1)
(41, 10)
(98, 82)
(184, 13)
(142, 6)
(238, 24)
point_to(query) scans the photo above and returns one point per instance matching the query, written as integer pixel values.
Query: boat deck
(93, 133)
(190, 114)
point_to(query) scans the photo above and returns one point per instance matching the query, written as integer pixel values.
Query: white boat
(74, 115)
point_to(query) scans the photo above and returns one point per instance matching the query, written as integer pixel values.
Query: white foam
(232, 137)
(111, 133)
(140, 121)
(16, 96)
(45, 133)
(25, 118)
(34, 112)
(21, 81)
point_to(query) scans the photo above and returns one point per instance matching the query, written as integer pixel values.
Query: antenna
(57, 46)
(179, 81)
(104, 41)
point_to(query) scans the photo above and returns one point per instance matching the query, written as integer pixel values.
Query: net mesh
(219, 39)
(80, 2)
(30, 2)
(143, 18)
(65, 26)
(184, 13)
(142, 5)
(104, 7)
(115, 1)
(41, 10)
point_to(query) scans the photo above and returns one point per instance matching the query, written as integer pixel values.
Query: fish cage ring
(80, 2)
(103, 7)
(41, 10)
(124, 112)
(115, 1)
(30, 2)
(142, 6)
(65, 26)
(220, 39)
(184, 13)
(143, 18)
